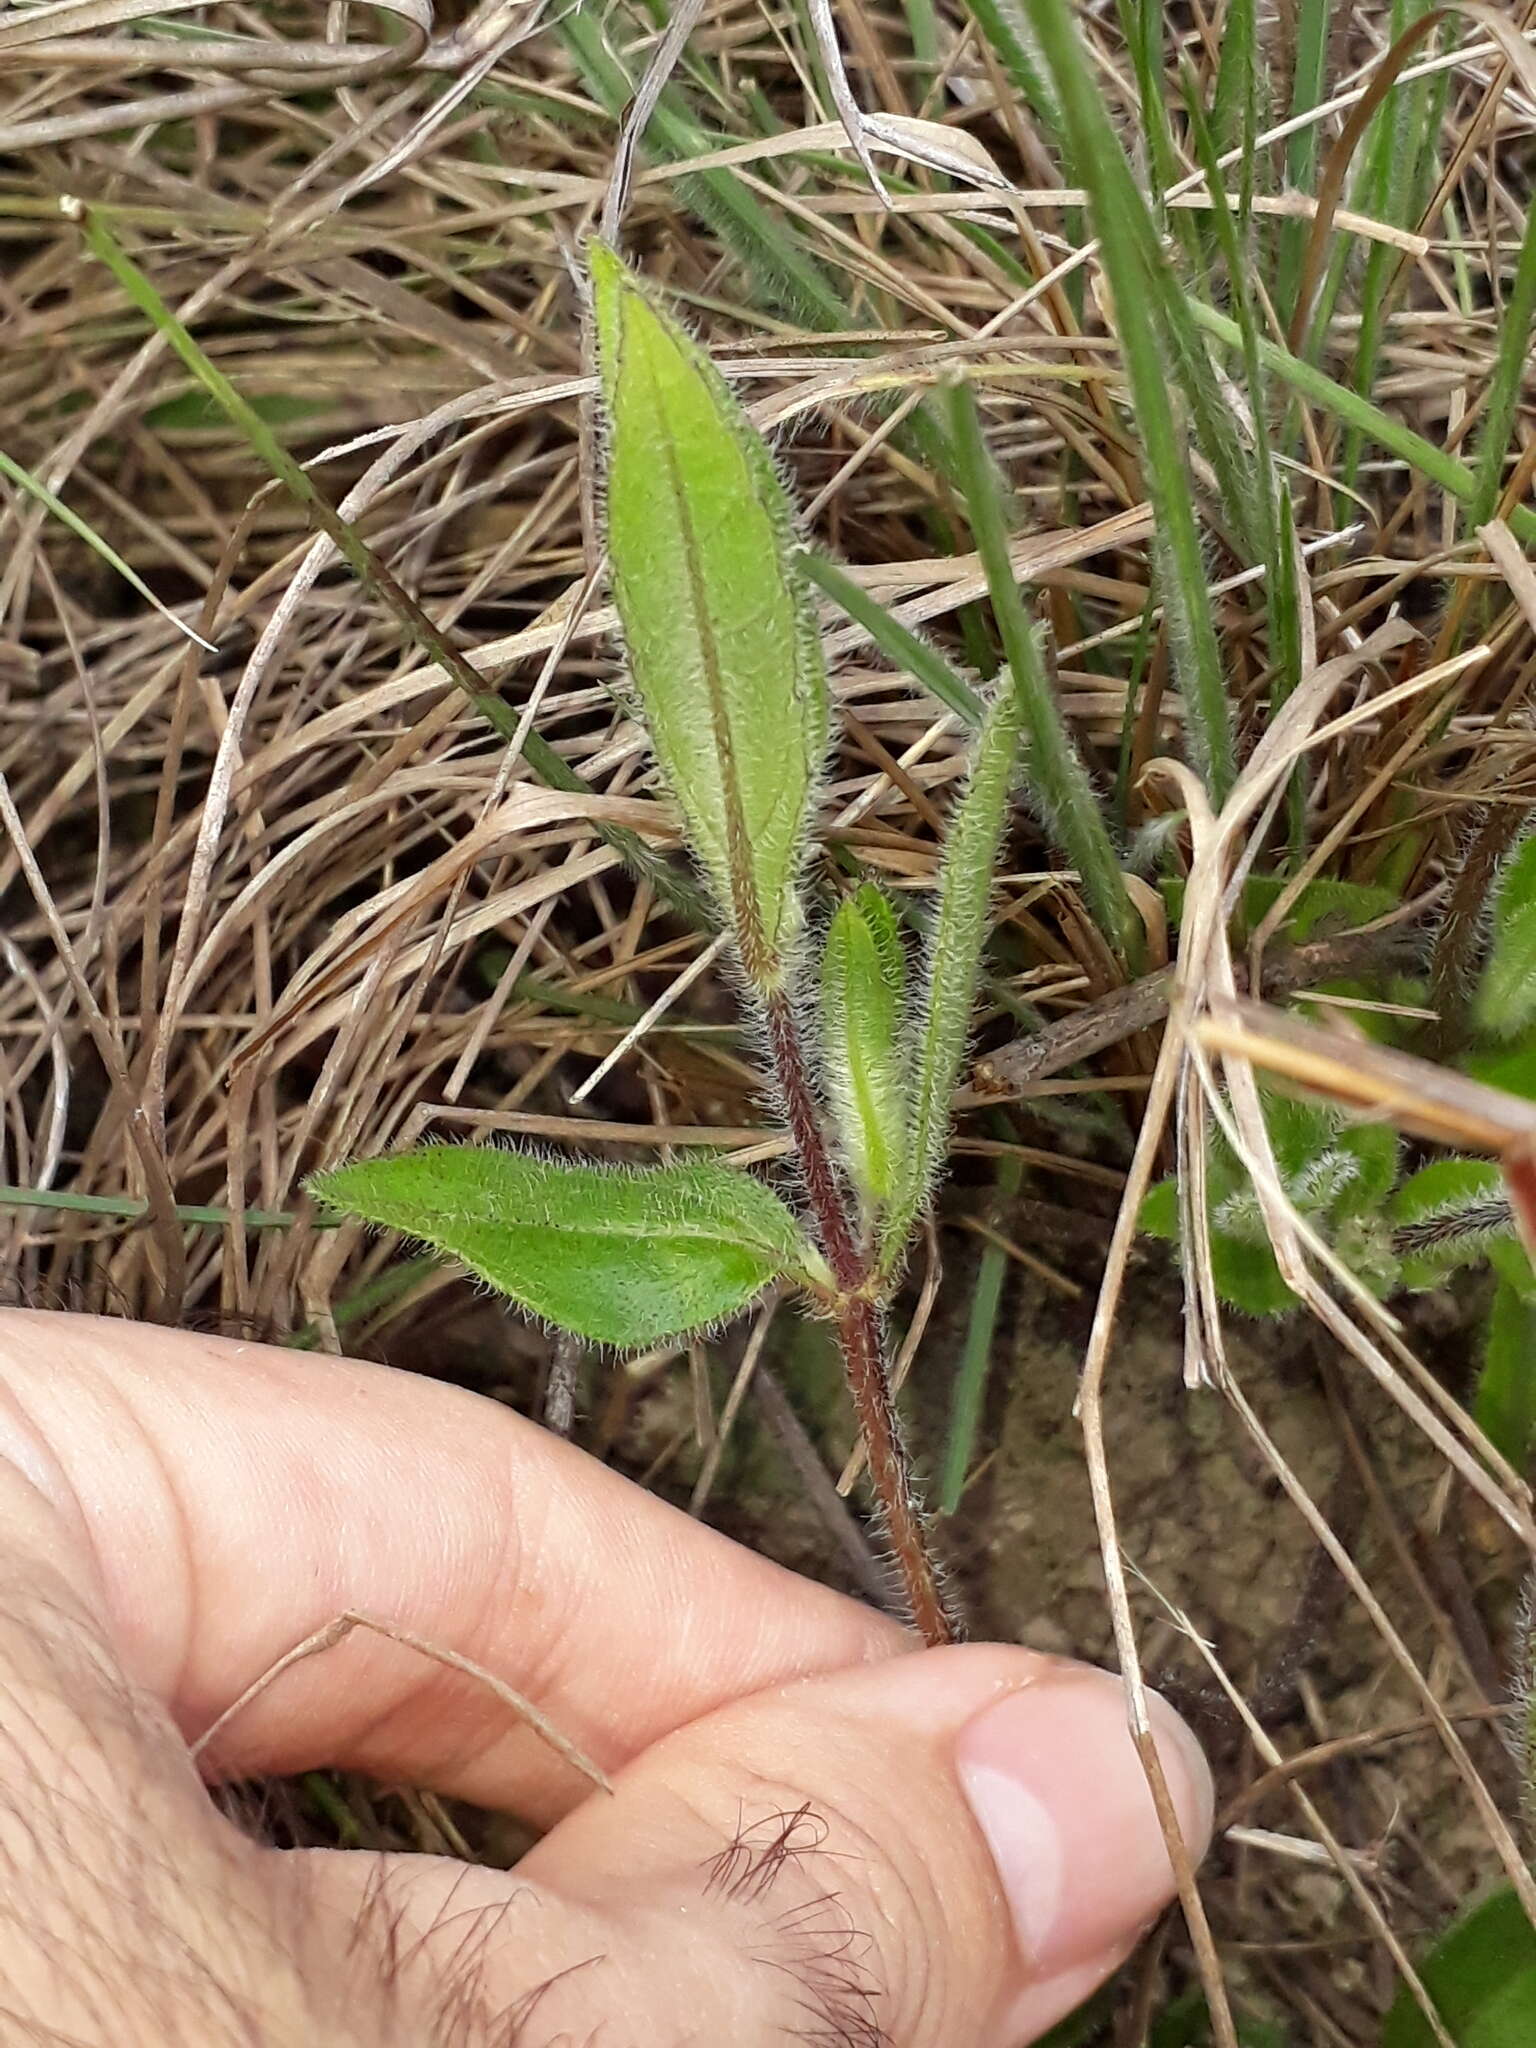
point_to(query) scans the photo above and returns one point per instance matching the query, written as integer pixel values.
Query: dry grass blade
(1427, 1099)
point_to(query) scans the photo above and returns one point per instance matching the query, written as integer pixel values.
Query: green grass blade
(1395, 167)
(898, 643)
(1240, 67)
(1239, 261)
(129, 1208)
(1275, 527)
(1313, 20)
(1504, 386)
(1007, 26)
(976, 1354)
(1141, 23)
(82, 530)
(1313, 384)
(770, 251)
(1053, 769)
(1139, 280)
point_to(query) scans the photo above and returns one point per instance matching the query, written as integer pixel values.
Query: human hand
(796, 1847)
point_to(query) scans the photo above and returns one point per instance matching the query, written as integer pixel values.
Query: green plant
(1395, 1231)
(724, 657)
(1481, 1974)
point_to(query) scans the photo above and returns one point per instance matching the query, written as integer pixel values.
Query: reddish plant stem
(822, 1186)
(860, 1333)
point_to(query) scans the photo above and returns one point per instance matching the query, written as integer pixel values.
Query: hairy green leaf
(1337, 1174)
(721, 636)
(1451, 1213)
(1506, 995)
(1445, 1190)
(863, 1003)
(622, 1257)
(954, 960)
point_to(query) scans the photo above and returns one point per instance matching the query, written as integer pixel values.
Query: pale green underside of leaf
(620, 1257)
(721, 639)
(863, 986)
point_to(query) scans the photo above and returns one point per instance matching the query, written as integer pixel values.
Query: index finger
(217, 1502)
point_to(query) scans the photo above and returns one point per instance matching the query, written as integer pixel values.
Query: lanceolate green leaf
(621, 1257)
(721, 637)
(863, 1001)
(954, 956)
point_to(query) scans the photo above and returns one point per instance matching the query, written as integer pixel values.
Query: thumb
(950, 1848)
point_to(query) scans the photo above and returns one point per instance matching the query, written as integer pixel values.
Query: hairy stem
(860, 1333)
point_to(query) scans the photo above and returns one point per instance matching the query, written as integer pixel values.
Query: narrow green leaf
(921, 660)
(1149, 312)
(978, 1352)
(622, 1257)
(1509, 369)
(1505, 1402)
(954, 959)
(1234, 108)
(1430, 460)
(1008, 28)
(1141, 24)
(1053, 768)
(1451, 1213)
(83, 530)
(721, 636)
(775, 257)
(1481, 1975)
(1313, 22)
(863, 1004)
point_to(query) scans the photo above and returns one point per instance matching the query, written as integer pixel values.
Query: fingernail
(1057, 1788)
